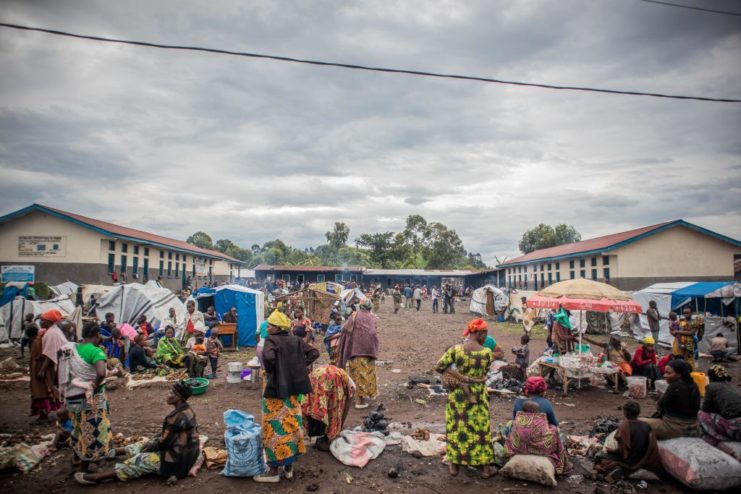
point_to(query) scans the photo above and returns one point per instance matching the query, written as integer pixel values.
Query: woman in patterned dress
(285, 358)
(358, 352)
(326, 408)
(467, 421)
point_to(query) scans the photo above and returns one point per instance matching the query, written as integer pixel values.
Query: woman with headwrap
(562, 330)
(171, 454)
(644, 361)
(531, 434)
(358, 351)
(535, 388)
(676, 410)
(169, 352)
(82, 370)
(326, 408)
(44, 396)
(467, 421)
(286, 359)
(720, 418)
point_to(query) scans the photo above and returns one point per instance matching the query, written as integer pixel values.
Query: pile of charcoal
(376, 421)
(513, 385)
(604, 427)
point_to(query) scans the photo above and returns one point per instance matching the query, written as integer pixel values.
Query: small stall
(581, 295)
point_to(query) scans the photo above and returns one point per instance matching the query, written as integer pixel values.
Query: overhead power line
(368, 68)
(692, 7)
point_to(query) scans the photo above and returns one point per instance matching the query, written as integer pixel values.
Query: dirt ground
(411, 343)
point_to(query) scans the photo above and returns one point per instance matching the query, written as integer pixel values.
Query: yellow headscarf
(279, 320)
(648, 340)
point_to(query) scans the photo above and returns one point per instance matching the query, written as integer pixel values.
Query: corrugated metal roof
(114, 230)
(419, 272)
(307, 269)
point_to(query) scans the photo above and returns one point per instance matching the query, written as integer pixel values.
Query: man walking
(407, 297)
(417, 296)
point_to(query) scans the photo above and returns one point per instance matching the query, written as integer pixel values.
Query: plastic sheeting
(12, 314)
(66, 288)
(128, 302)
(480, 300)
(250, 306)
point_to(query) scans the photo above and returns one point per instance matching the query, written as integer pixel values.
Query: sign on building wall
(23, 274)
(38, 246)
(201, 267)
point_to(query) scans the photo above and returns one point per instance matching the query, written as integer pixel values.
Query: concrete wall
(678, 252)
(308, 276)
(635, 284)
(81, 245)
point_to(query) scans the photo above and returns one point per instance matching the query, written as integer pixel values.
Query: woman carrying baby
(82, 370)
(467, 421)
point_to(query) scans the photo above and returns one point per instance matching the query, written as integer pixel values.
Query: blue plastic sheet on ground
(243, 439)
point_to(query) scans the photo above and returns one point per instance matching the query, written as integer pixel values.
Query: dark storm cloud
(254, 150)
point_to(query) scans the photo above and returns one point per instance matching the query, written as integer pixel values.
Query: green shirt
(90, 353)
(490, 343)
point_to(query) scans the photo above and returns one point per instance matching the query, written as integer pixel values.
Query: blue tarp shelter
(250, 306)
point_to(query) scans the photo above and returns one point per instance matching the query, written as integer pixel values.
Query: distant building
(672, 251)
(308, 274)
(430, 277)
(65, 246)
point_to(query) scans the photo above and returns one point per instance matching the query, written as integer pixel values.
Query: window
(123, 264)
(169, 268)
(210, 261)
(185, 259)
(605, 260)
(300, 278)
(550, 278)
(337, 278)
(572, 274)
(582, 262)
(146, 251)
(169, 255)
(606, 273)
(542, 279)
(146, 269)
(594, 261)
(124, 247)
(558, 275)
(111, 262)
(571, 264)
(542, 266)
(286, 277)
(136, 249)
(185, 270)
(177, 257)
(594, 274)
(135, 265)
(111, 245)
(194, 268)
(162, 268)
(583, 273)
(177, 269)
(549, 266)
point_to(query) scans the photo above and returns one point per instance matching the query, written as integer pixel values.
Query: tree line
(421, 245)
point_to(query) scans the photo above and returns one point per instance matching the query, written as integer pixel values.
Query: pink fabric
(128, 331)
(52, 342)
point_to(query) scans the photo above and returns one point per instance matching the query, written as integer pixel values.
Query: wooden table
(228, 329)
(564, 374)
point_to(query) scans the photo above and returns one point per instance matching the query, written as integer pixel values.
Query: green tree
(337, 238)
(201, 239)
(378, 246)
(445, 247)
(224, 245)
(544, 236)
(417, 235)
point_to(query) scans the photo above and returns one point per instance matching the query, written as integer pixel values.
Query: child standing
(522, 354)
(214, 347)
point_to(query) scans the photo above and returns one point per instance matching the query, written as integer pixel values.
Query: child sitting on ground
(198, 354)
(214, 347)
(636, 447)
(64, 429)
(522, 355)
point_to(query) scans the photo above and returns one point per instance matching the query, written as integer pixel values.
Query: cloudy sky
(253, 150)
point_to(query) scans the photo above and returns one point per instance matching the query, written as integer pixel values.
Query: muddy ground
(411, 343)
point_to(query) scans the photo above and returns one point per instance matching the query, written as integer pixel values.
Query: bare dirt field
(411, 343)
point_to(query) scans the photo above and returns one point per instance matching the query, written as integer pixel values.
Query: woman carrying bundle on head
(467, 419)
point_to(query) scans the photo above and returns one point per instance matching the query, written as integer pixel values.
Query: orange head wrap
(475, 325)
(52, 315)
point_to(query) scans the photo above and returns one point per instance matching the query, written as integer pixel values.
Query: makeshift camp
(14, 312)
(716, 300)
(66, 288)
(488, 301)
(250, 306)
(318, 299)
(128, 302)
(350, 293)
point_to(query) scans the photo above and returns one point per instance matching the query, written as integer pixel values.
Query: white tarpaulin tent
(480, 300)
(12, 314)
(66, 288)
(661, 293)
(128, 302)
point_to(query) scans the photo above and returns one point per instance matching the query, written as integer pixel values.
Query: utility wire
(367, 68)
(691, 7)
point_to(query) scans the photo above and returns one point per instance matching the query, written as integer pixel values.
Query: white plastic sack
(243, 439)
(356, 449)
(532, 468)
(698, 465)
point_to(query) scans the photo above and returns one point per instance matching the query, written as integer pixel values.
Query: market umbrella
(584, 294)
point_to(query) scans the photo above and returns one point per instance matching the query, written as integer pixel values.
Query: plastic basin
(198, 384)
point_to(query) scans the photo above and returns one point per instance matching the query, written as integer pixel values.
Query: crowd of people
(302, 400)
